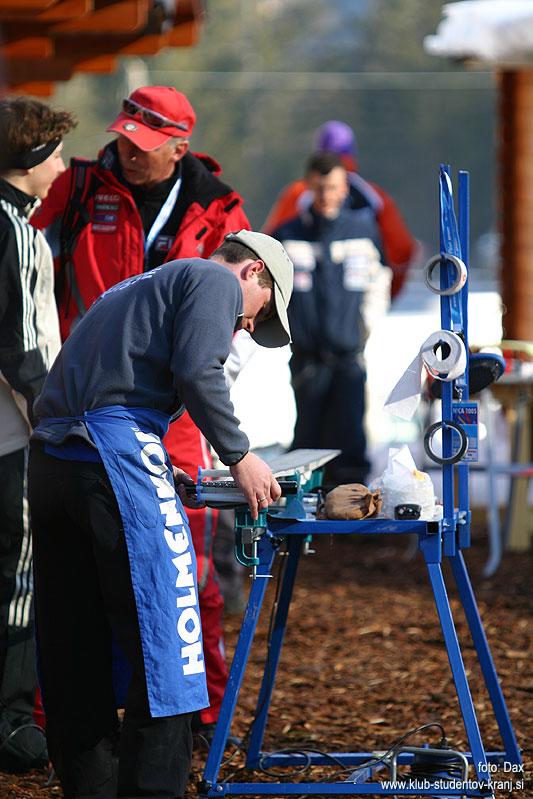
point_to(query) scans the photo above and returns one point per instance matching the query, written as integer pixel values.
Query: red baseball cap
(152, 115)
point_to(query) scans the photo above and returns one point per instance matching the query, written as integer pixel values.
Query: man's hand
(258, 484)
(181, 479)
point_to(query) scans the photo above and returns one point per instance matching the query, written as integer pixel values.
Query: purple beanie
(336, 137)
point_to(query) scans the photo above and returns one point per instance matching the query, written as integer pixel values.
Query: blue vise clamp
(296, 489)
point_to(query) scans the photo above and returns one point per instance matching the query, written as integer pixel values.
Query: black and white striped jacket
(29, 329)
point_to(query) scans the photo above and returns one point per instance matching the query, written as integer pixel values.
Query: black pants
(330, 404)
(18, 677)
(84, 597)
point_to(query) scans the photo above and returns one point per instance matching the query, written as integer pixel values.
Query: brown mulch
(364, 662)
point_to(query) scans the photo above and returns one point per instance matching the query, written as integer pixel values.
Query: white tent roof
(495, 31)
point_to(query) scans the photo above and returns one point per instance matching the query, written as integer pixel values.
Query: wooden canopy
(44, 41)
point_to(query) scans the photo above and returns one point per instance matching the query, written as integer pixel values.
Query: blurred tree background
(267, 73)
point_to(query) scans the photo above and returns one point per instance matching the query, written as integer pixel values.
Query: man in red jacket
(147, 200)
(399, 247)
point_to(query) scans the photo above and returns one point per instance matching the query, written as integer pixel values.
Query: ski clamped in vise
(227, 494)
(299, 475)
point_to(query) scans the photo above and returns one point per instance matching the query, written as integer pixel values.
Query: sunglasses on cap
(150, 118)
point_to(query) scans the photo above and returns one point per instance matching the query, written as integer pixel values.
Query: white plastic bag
(401, 483)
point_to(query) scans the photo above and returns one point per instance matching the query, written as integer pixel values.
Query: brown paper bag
(352, 501)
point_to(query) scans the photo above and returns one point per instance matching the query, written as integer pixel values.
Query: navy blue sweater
(157, 340)
(334, 261)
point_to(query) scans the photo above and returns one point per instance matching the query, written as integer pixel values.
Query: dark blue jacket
(335, 266)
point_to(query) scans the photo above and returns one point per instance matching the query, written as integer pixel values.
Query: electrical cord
(297, 751)
(50, 779)
(28, 726)
(342, 769)
(397, 745)
(19, 729)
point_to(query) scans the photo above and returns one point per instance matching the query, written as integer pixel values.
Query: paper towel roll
(459, 278)
(443, 354)
(451, 362)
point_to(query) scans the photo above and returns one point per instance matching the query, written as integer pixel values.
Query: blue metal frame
(436, 540)
(463, 499)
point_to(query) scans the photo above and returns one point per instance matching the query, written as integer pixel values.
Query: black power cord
(305, 751)
(440, 765)
(28, 726)
(374, 761)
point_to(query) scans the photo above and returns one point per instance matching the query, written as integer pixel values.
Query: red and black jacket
(107, 245)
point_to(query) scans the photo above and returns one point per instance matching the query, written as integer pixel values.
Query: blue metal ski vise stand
(445, 538)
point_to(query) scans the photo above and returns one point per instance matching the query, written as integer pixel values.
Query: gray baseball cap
(275, 332)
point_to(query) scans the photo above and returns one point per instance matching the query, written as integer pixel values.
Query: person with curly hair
(31, 136)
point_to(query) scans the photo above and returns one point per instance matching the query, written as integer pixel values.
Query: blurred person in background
(399, 247)
(147, 199)
(31, 136)
(341, 288)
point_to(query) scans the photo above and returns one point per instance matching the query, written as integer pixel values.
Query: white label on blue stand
(466, 414)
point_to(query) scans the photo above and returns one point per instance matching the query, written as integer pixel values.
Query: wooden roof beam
(45, 41)
(39, 88)
(92, 46)
(191, 8)
(121, 17)
(53, 69)
(48, 69)
(101, 64)
(132, 22)
(27, 47)
(26, 5)
(146, 45)
(184, 34)
(59, 12)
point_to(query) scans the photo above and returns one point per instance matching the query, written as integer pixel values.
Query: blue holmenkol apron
(161, 554)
